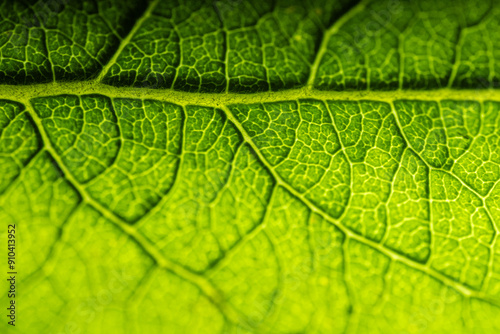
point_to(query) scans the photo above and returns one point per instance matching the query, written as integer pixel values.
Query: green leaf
(251, 166)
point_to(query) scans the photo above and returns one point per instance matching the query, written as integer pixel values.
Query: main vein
(217, 100)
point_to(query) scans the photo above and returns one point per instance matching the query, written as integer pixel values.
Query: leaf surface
(247, 167)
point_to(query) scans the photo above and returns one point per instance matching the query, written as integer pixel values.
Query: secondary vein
(124, 42)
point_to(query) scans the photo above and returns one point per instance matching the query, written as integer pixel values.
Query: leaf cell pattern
(151, 195)
(257, 207)
(252, 46)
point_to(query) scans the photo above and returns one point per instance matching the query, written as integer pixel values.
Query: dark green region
(253, 45)
(61, 40)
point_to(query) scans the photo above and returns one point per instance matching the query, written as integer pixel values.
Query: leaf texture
(252, 166)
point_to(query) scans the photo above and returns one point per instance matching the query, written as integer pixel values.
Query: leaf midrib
(220, 100)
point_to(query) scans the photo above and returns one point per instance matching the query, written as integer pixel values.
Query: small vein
(326, 38)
